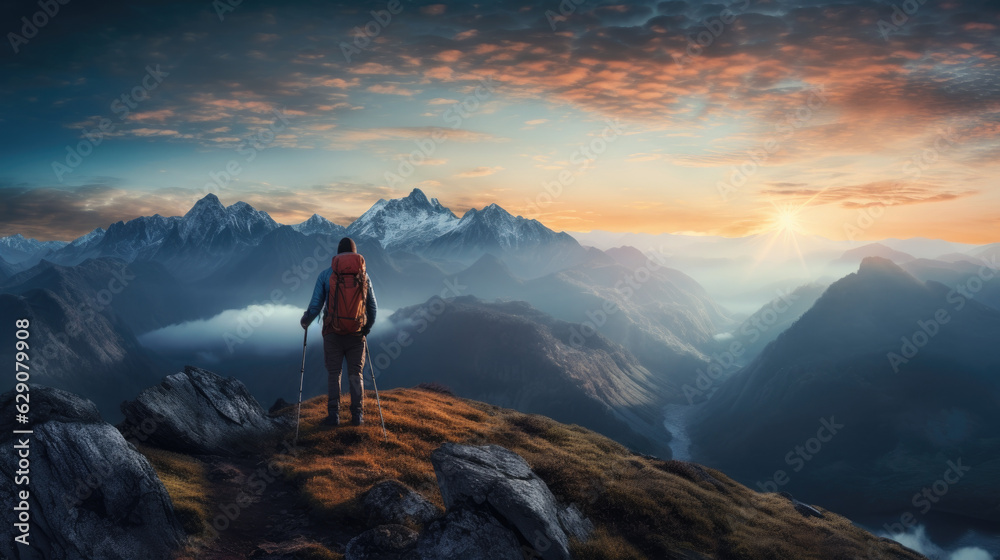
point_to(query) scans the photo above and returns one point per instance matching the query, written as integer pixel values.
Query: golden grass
(335, 466)
(642, 507)
(184, 478)
(604, 546)
(317, 552)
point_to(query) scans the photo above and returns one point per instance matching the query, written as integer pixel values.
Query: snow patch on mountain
(18, 248)
(88, 239)
(134, 239)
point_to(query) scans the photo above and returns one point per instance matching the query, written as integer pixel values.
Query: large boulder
(199, 412)
(468, 534)
(390, 502)
(498, 509)
(494, 479)
(92, 495)
(387, 542)
(462, 534)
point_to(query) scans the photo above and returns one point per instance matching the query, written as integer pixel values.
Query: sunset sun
(786, 219)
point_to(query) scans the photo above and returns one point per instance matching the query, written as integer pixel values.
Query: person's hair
(347, 246)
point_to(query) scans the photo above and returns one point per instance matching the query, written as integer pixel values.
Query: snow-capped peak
(208, 216)
(495, 226)
(241, 215)
(209, 203)
(18, 242)
(318, 224)
(205, 217)
(418, 195)
(405, 223)
(17, 248)
(313, 220)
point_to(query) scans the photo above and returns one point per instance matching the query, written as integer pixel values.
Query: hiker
(345, 291)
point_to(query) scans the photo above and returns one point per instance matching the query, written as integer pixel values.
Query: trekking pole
(368, 355)
(302, 376)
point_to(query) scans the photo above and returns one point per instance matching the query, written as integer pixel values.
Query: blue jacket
(322, 291)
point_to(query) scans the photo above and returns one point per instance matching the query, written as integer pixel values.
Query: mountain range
(505, 310)
(216, 259)
(210, 234)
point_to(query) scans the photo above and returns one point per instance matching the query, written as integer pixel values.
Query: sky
(848, 119)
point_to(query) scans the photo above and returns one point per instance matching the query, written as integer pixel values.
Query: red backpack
(346, 311)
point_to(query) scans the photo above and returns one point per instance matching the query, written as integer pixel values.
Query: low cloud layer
(919, 541)
(257, 329)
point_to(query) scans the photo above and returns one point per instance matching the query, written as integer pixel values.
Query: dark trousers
(337, 347)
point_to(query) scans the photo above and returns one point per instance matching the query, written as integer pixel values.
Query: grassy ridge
(642, 507)
(184, 478)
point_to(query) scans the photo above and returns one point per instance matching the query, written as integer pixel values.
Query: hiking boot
(331, 421)
(357, 420)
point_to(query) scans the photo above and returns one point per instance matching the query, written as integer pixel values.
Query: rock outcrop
(199, 412)
(468, 534)
(92, 495)
(386, 542)
(500, 481)
(392, 503)
(803, 508)
(498, 509)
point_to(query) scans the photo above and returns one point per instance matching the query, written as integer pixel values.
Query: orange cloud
(392, 89)
(880, 193)
(480, 172)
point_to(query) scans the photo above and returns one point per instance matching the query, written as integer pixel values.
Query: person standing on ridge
(345, 291)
